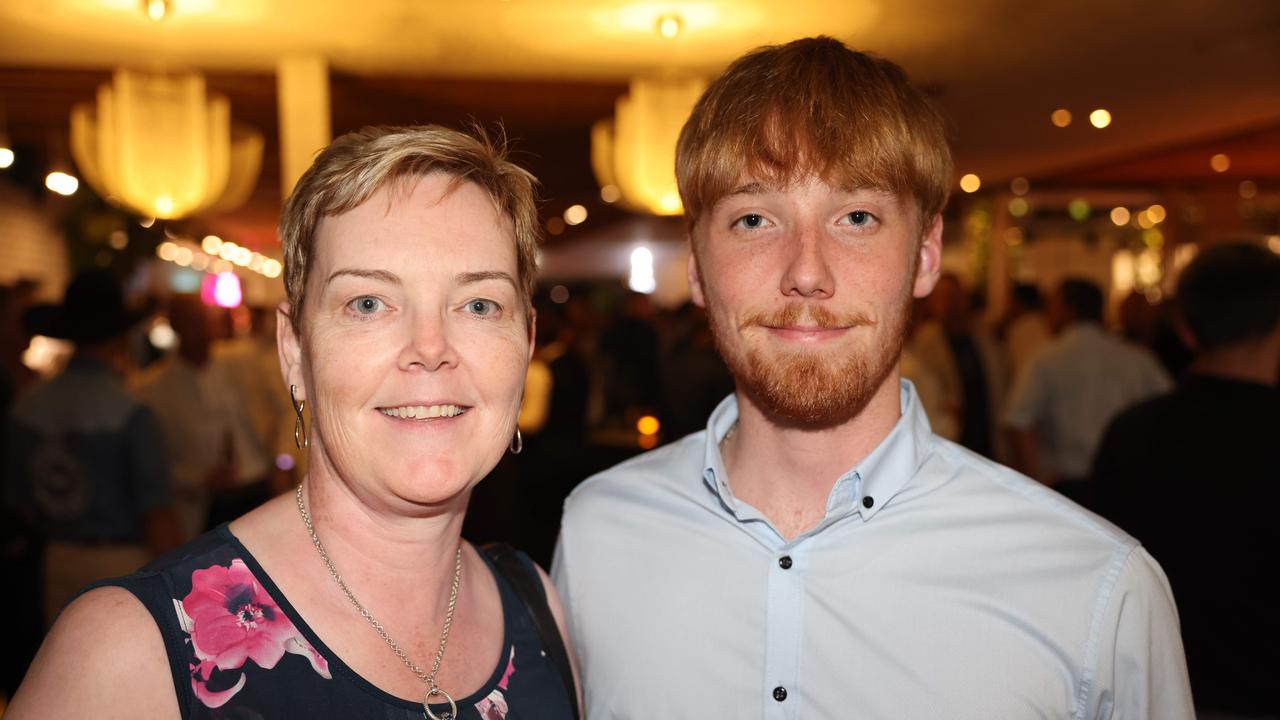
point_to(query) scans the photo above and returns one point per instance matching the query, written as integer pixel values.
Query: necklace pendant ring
(437, 692)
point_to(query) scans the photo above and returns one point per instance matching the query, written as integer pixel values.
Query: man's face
(808, 291)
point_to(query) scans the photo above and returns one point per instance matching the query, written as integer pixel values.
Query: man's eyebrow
(380, 275)
(468, 278)
(751, 188)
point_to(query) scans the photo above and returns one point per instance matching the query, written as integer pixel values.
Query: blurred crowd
(158, 425)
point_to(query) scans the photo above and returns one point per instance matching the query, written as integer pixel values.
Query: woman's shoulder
(103, 657)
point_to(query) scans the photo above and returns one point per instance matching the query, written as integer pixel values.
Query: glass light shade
(162, 147)
(636, 150)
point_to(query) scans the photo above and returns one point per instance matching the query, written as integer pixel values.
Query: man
(1192, 475)
(817, 552)
(1025, 328)
(1067, 394)
(220, 469)
(84, 461)
(968, 363)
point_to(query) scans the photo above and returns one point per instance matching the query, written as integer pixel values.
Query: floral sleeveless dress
(238, 650)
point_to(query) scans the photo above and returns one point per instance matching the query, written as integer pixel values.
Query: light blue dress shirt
(939, 585)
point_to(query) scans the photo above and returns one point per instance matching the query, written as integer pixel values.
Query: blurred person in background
(1137, 318)
(85, 463)
(817, 551)
(940, 407)
(1192, 474)
(251, 361)
(409, 262)
(955, 349)
(1025, 329)
(21, 547)
(1068, 393)
(219, 467)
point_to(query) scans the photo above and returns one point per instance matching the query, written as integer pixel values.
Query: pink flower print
(230, 618)
(494, 706)
(200, 686)
(234, 619)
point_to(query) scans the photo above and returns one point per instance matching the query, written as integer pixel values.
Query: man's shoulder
(666, 471)
(993, 494)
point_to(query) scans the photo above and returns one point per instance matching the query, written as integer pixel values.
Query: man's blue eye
(751, 220)
(859, 217)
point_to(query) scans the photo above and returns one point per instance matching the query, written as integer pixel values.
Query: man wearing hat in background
(85, 462)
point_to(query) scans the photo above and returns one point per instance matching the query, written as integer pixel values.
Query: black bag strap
(527, 585)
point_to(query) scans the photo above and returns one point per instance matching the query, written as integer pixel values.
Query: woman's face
(414, 344)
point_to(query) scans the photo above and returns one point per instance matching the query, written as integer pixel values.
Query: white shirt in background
(1070, 391)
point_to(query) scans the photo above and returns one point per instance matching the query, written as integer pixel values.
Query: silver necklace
(429, 678)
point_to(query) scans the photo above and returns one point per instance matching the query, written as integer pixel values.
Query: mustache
(806, 314)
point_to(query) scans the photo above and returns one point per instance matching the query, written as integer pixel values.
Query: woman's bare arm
(104, 658)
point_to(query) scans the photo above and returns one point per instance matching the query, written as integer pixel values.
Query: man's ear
(929, 262)
(289, 348)
(695, 278)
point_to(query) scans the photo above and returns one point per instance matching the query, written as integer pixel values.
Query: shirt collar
(880, 476)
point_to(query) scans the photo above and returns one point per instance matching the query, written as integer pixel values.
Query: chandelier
(635, 150)
(160, 146)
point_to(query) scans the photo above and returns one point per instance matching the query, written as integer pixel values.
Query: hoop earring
(516, 444)
(299, 427)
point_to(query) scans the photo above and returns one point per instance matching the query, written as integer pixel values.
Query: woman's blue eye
(482, 307)
(366, 305)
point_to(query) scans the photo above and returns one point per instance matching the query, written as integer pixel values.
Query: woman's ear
(289, 348)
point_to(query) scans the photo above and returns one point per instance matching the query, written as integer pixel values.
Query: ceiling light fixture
(157, 10)
(636, 149)
(669, 26)
(160, 146)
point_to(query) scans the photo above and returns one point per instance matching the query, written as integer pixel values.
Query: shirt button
(868, 501)
(784, 562)
(779, 693)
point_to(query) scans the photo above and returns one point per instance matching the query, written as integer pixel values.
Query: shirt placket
(784, 620)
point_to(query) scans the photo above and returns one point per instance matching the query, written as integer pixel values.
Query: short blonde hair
(355, 166)
(814, 107)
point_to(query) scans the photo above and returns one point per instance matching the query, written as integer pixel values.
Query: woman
(409, 261)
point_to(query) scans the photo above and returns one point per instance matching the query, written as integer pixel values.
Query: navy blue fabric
(293, 688)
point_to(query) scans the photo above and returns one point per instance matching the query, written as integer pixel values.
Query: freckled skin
(775, 266)
(406, 325)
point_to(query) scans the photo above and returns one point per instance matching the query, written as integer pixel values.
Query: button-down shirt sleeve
(1141, 670)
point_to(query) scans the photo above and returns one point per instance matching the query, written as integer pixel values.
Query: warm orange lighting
(1156, 213)
(1248, 189)
(1120, 216)
(1061, 117)
(575, 214)
(1020, 186)
(6, 157)
(669, 26)
(1018, 207)
(167, 251)
(1220, 163)
(1100, 118)
(610, 194)
(211, 244)
(648, 425)
(555, 226)
(970, 183)
(157, 10)
(1144, 220)
(62, 183)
